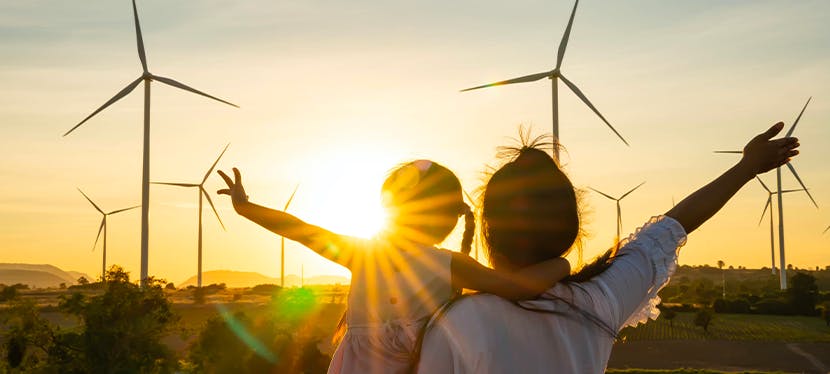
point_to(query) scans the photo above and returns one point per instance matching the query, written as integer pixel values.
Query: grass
(737, 327)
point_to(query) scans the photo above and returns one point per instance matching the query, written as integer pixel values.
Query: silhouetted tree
(669, 314)
(803, 294)
(83, 281)
(703, 318)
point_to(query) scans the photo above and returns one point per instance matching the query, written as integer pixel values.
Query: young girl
(399, 278)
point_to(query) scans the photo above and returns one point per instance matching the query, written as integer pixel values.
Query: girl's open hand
(762, 154)
(235, 189)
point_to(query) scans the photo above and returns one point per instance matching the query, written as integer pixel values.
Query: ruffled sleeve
(656, 246)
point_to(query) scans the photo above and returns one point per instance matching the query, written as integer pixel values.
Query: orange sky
(333, 95)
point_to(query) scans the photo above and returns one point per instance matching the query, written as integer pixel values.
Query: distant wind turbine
(771, 225)
(619, 210)
(103, 228)
(781, 259)
(202, 192)
(554, 75)
(145, 77)
(282, 241)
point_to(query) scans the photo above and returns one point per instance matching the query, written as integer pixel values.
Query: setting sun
(345, 193)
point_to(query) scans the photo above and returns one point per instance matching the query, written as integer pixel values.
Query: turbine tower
(103, 228)
(145, 77)
(780, 193)
(619, 210)
(282, 241)
(555, 75)
(771, 225)
(201, 192)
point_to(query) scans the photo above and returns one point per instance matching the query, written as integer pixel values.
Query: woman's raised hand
(235, 189)
(762, 154)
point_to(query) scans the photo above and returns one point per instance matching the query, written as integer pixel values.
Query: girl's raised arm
(335, 247)
(524, 284)
(759, 156)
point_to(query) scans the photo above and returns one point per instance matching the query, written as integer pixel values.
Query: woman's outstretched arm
(335, 247)
(759, 156)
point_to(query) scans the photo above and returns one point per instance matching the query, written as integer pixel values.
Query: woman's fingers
(226, 178)
(224, 192)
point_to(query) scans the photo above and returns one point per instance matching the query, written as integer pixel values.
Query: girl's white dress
(393, 293)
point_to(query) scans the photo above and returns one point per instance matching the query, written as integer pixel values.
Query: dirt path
(722, 355)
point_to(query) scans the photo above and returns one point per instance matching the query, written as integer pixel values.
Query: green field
(734, 327)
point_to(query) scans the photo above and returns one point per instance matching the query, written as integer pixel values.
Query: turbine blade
(564, 43)
(176, 84)
(130, 87)
(100, 228)
(825, 230)
(763, 184)
(139, 40)
(792, 128)
(90, 201)
(214, 163)
(588, 103)
(807, 190)
(798, 190)
(213, 207)
(602, 193)
(177, 184)
(736, 152)
(525, 79)
(123, 210)
(287, 203)
(632, 190)
(764, 213)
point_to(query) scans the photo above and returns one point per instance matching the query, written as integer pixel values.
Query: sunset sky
(333, 94)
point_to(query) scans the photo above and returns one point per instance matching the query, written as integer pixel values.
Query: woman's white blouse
(571, 328)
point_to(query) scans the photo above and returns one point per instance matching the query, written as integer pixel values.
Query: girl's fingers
(226, 178)
(224, 192)
(236, 176)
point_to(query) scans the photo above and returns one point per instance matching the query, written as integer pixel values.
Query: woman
(529, 214)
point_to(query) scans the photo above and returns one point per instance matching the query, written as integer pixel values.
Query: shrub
(703, 318)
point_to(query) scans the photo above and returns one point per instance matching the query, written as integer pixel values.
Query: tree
(121, 329)
(8, 293)
(703, 318)
(83, 281)
(669, 314)
(803, 294)
(170, 286)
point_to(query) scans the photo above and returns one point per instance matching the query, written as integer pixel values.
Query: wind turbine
(202, 192)
(103, 228)
(145, 77)
(782, 261)
(282, 241)
(825, 230)
(554, 75)
(619, 210)
(771, 230)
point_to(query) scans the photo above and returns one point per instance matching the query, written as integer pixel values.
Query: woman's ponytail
(469, 230)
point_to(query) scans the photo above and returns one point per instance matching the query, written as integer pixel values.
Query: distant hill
(38, 275)
(236, 279)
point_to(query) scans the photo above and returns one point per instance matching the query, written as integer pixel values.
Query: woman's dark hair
(529, 207)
